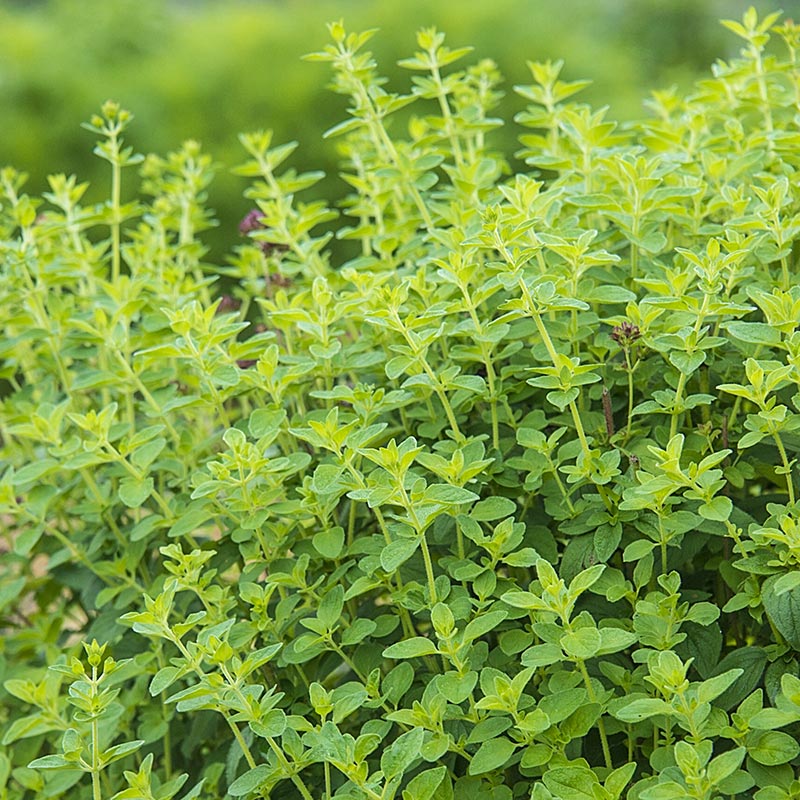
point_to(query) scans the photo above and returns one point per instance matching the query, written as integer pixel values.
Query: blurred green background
(209, 69)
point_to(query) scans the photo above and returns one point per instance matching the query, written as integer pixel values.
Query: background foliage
(204, 70)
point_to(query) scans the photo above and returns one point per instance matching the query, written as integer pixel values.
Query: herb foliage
(502, 506)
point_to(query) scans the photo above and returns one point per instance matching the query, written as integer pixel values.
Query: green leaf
(145, 526)
(330, 608)
(687, 363)
(358, 631)
(751, 660)
(234, 438)
(783, 609)
(616, 782)
(423, 786)
(586, 579)
(457, 688)
(788, 582)
(493, 508)
(754, 332)
(481, 625)
(491, 755)
(719, 509)
(145, 455)
(663, 789)
(637, 710)
(163, 679)
(536, 755)
(612, 640)
(703, 644)
(347, 699)
(583, 643)
(542, 655)
(572, 783)
(449, 495)
(489, 728)
(637, 550)
(411, 648)
(402, 753)
(326, 478)
(329, 543)
(712, 688)
(266, 422)
(197, 514)
(270, 725)
(560, 398)
(249, 781)
(772, 747)
(772, 718)
(119, 751)
(398, 552)
(10, 591)
(35, 471)
(51, 762)
(134, 492)
(523, 600)
(31, 725)
(609, 294)
(396, 366)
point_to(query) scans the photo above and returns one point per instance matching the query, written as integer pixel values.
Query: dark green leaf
(783, 609)
(491, 755)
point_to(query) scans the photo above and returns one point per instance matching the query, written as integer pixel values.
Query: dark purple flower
(251, 222)
(228, 303)
(625, 334)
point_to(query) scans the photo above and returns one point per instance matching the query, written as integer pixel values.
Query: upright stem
(437, 386)
(96, 789)
(426, 553)
(698, 323)
(673, 425)
(327, 768)
(426, 556)
(629, 422)
(600, 724)
(486, 352)
(116, 191)
(766, 109)
(405, 616)
(786, 466)
(237, 734)
(446, 115)
(663, 542)
(146, 394)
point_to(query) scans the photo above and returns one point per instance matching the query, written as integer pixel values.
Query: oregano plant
(480, 484)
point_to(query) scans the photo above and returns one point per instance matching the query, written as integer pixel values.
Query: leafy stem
(698, 324)
(601, 728)
(787, 468)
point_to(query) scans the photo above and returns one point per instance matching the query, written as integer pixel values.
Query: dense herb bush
(505, 506)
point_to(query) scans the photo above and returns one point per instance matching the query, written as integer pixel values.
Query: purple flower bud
(228, 303)
(251, 222)
(626, 333)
